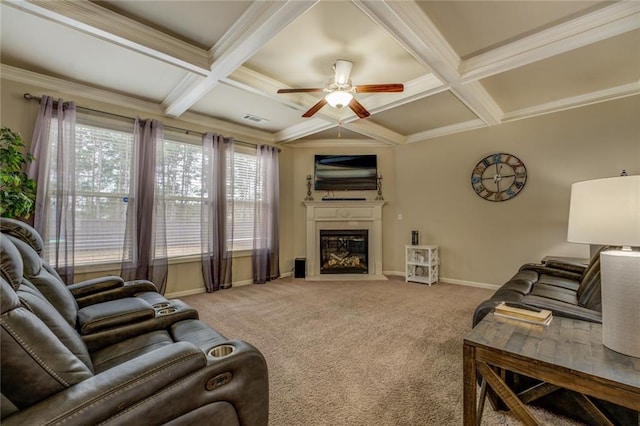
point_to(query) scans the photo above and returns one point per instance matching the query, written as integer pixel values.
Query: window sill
(111, 267)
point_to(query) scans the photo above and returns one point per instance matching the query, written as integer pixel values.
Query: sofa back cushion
(48, 283)
(31, 299)
(34, 363)
(589, 294)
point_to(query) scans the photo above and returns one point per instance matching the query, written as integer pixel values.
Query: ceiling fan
(339, 91)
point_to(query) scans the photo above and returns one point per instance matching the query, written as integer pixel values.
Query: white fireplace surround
(331, 215)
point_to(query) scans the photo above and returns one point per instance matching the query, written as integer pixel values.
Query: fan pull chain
(339, 127)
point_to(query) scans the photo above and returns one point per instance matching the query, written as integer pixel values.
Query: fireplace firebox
(344, 251)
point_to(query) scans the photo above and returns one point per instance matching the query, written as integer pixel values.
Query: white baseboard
(469, 283)
(179, 294)
(184, 293)
(452, 281)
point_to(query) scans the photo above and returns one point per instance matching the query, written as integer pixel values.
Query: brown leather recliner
(184, 373)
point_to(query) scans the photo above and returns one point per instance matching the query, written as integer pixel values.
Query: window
(183, 179)
(244, 194)
(103, 173)
(104, 170)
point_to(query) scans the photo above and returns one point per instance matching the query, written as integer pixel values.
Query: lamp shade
(339, 98)
(605, 211)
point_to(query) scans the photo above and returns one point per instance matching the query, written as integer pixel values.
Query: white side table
(421, 263)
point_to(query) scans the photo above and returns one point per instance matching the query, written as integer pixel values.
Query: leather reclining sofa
(107, 351)
(571, 289)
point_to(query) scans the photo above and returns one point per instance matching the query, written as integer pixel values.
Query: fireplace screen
(344, 251)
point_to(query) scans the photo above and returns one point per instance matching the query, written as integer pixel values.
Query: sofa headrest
(31, 261)
(22, 231)
(8, 298)
(11, 262)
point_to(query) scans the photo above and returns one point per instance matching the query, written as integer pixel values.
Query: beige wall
(428, 183)
(485, 242)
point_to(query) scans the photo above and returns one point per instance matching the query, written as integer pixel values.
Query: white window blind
(103, 173)
(183, 179)
(244, 198)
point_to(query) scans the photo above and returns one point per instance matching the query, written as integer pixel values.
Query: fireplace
(344, 251)
(345, 215)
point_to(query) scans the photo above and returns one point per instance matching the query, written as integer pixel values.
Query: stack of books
(523, 313)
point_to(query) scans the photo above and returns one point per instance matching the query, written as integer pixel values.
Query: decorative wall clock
(499, 177)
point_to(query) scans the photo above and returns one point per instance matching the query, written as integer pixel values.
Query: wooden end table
(567, 353)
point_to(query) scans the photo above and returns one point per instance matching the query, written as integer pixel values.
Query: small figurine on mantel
(379, 197)
(308, 197)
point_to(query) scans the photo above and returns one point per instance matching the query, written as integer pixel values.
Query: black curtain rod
(30, 97)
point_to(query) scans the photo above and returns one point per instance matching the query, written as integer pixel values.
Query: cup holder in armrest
(166, 311)
(222, 351)
(162, 305)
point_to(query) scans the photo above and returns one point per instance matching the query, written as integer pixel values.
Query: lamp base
(621, 301)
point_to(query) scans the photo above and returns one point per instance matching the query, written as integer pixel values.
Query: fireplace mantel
(344, 215)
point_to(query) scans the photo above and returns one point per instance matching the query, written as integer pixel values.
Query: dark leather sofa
(569, 289)
(110, 352)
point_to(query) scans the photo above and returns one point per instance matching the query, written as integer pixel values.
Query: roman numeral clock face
(499, 177)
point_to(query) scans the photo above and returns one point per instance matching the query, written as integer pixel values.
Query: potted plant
(17, 190)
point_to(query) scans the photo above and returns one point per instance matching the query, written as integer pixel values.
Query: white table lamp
(607, 212)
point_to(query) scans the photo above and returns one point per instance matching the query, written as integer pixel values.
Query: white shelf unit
(422, 263)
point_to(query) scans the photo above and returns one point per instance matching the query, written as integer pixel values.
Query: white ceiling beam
(303, 129)
(612, 93)
(102, 23)
(375, 131)
(256, 27)
(413, 29)
(446, 130)
(604, 23)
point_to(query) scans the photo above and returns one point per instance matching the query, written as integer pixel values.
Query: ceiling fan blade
(300, 90)
(380, 88)
(322, 102)
(358, 108)
(343, 71)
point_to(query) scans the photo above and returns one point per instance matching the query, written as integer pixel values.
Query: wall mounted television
(346, 172)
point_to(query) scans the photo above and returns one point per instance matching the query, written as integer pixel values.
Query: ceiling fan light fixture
(339, 98)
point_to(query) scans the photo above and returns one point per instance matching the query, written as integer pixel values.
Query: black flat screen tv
(346, 172)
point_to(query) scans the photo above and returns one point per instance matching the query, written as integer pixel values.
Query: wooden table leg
(507, 395)
(481, 400)
(469, 386)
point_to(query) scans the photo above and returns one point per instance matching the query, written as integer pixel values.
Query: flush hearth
(344, 251)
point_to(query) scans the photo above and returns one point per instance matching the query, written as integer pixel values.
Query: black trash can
(300, 267)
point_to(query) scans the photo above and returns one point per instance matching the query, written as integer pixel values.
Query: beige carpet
(358, 352)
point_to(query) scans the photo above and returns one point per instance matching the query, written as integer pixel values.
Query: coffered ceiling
(464, 64)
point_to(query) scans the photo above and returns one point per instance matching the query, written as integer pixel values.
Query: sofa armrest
(163, 318)
(128, 289)
(563, 309)
(104, 395)
(556, 272)
(96, 285)
(571, 264)
(115, 313)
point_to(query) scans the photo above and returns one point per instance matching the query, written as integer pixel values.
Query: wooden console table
(567, 353)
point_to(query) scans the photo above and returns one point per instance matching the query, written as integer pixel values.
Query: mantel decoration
(379, 197)
(17, 190)
(499, 177)
(309, 197)
(607, 212)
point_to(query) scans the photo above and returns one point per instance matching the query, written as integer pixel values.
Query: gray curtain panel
(217, 211)
(145, 244)
(54, 151)
(266, 231)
